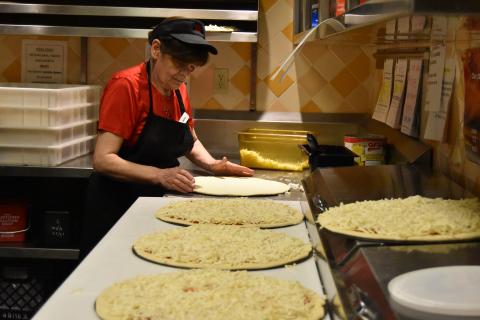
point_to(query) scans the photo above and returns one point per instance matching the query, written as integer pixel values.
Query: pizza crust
(412, 219)
(239, 211)
(430, 238)
(221, 247)
(238, 186)
(208, 295)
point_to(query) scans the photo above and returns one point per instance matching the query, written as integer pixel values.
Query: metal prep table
(113, 260)
(362, 269)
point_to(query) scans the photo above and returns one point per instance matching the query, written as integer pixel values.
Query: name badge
(184, 118)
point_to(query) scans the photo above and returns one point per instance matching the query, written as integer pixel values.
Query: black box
(56, 228)
(330, 156)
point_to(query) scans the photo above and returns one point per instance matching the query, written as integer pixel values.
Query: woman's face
(167, 72)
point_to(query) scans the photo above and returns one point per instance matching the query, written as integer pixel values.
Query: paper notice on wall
(410, 117)
(390, 29)
(435, 78)
(439, 27)
(437, 120)
(385, 94)
(418, 23)
(44, 61)
(403, 28)
(394, 115)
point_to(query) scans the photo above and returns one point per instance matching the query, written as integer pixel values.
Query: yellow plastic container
(273, 149)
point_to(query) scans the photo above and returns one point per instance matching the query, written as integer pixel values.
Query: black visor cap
(188, 31)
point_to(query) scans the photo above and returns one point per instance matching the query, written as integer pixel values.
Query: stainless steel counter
(82, 168)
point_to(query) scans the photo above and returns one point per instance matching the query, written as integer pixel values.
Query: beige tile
(312, 51)
(312, 81)
(346, 53)
(328, 100)
(301, 66)
(359, 98)
(227, 58)
(279, 49)
(344, 83)
(278, 86)
(230, 100)
(201, 88)
(310, 106)
(211, 104)
(265, 5)
(294, 97)
(242, 105)
(288, 31)
(276, 19)
(264, 64)
(241, 80)
(243, 50)
(329, 65)
(265, 96)
(114, 46)
(361, 67)
(277, 106)
(12, 73)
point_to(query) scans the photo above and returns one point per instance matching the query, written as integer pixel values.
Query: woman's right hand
(176, 179)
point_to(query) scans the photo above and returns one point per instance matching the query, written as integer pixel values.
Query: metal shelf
(112, 21)
(374, 12)
(113, 32)
(25, 251)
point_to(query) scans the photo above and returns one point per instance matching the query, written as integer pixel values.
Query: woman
(145, 125)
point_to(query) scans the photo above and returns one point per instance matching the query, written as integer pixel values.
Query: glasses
(183, 66)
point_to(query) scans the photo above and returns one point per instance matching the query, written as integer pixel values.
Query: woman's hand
(227, 168)
(176, 179)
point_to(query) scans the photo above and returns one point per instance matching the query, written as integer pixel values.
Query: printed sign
(44, 61)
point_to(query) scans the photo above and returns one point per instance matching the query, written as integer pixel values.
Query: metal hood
(130, 19)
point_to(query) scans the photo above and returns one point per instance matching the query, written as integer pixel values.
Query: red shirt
(125, 104)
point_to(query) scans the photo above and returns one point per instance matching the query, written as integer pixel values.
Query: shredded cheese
(239, 211)
(208, 295)
(412, 217)
(224, 247)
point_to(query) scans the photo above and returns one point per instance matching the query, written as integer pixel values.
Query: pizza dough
(412, 219)
(238, 186)
(221, 247)
(237, 211)
(208, 295)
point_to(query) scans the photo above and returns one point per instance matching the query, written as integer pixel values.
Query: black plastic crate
(25, 286)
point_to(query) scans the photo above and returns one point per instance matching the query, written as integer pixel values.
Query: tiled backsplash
(323, 78)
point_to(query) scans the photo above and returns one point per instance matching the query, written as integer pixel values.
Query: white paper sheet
(394, 116)
(410, 123)
(435, 78)
(385, 94)
(437, 120)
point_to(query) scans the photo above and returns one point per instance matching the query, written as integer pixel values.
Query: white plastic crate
(42, 118)
(47, 96)
(46, 156)
(28, 136)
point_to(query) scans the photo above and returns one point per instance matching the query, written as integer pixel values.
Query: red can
(13, 220)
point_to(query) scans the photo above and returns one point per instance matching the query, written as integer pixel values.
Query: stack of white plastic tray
(46, 124)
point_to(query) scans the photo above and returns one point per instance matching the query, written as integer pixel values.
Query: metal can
(370, 148)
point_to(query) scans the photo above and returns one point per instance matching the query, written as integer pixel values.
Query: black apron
(160, 144)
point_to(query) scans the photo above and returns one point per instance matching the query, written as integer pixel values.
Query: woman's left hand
(227, 168)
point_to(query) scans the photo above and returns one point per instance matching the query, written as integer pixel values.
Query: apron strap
(180, 102)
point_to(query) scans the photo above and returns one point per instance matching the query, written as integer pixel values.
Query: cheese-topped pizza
(237, 211)
(222, 247)
(414, 218)
(208, 295)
